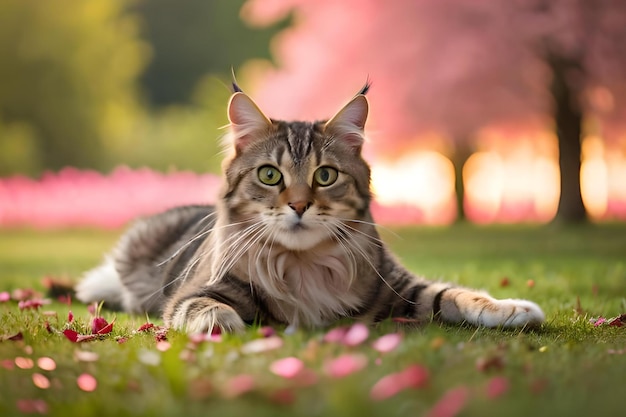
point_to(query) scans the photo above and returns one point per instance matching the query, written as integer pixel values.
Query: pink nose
(299, 207)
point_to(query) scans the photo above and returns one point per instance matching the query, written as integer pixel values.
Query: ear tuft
(247, 121)
(349, 123)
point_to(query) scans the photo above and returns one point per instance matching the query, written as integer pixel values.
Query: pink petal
(70, 316)
(32, 406)
(497, 386)
(87, 382)
(287, 367)
(267, 331)
(86, 356)
(163, 345)
(335, 335)
(414, 376)
(345, 365)
(356, 335)
(46, 363)
(262, 345)
(24, 363)
(387, 343)
(451, 403)
(40, 381)
(238, 385)
(4, 297)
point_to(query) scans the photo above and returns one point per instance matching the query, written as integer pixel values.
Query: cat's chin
(300, 239)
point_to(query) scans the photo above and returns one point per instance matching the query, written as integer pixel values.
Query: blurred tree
(67, 81)
(191, 38)
(454, 66)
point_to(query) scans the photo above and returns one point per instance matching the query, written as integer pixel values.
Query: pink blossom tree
(453, 66)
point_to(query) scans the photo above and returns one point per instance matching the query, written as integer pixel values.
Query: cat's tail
(102, 283)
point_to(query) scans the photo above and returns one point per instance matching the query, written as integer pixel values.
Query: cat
(291, 241)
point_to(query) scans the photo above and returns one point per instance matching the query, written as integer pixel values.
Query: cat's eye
(325, 176)
(269, 175)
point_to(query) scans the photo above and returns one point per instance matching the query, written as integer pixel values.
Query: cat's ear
(247, 121)
(349, 123)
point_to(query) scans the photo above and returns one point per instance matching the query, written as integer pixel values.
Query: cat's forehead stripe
(300, 140)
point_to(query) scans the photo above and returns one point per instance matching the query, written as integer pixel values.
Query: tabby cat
(290, 241)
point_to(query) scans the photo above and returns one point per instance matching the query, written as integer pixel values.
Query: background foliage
(109, 82)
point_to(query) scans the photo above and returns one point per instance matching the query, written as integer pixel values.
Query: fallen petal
(86, 356)
(345, 365)
(356, 334)
(335, 335)
(149, 357)
(87, 382)
(497, 386)
(414, 376)
(99, 325)
(46, 363)
(163, 345)
(387, 343)
(4, 296)
(41, 381)
(262, 345)
(287, 367)
(451, 403)
(32, 406)
(238, 385)
(13, 337)
(145, 327)
(24, 363)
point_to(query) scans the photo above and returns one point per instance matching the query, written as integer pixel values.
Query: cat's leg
(423, 299)
(227, 305)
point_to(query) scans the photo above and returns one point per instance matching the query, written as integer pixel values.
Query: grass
(567, 367)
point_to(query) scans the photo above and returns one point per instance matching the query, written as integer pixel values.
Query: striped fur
(291, 241)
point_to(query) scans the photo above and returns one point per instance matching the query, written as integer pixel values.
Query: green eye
(325, 176)
(269, 175)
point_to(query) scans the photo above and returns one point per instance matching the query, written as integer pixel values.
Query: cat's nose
(300, 207)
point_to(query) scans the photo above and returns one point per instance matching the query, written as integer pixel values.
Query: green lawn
(569, 367)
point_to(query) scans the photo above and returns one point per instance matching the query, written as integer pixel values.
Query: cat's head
(297, 184)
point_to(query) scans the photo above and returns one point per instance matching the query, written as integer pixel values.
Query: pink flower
(4, 296)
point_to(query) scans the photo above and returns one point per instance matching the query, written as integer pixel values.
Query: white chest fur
(309, 287)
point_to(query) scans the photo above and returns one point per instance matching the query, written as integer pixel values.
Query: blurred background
(492, 111)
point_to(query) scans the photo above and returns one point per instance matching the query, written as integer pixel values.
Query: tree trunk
(568, 118)
(462, 153)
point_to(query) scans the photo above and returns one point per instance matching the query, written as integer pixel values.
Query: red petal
(145, 327)
(97, 324)
(71, 335)
(106, 329)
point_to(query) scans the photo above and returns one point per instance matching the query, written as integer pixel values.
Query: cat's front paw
(511, 313)
(202, 315)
